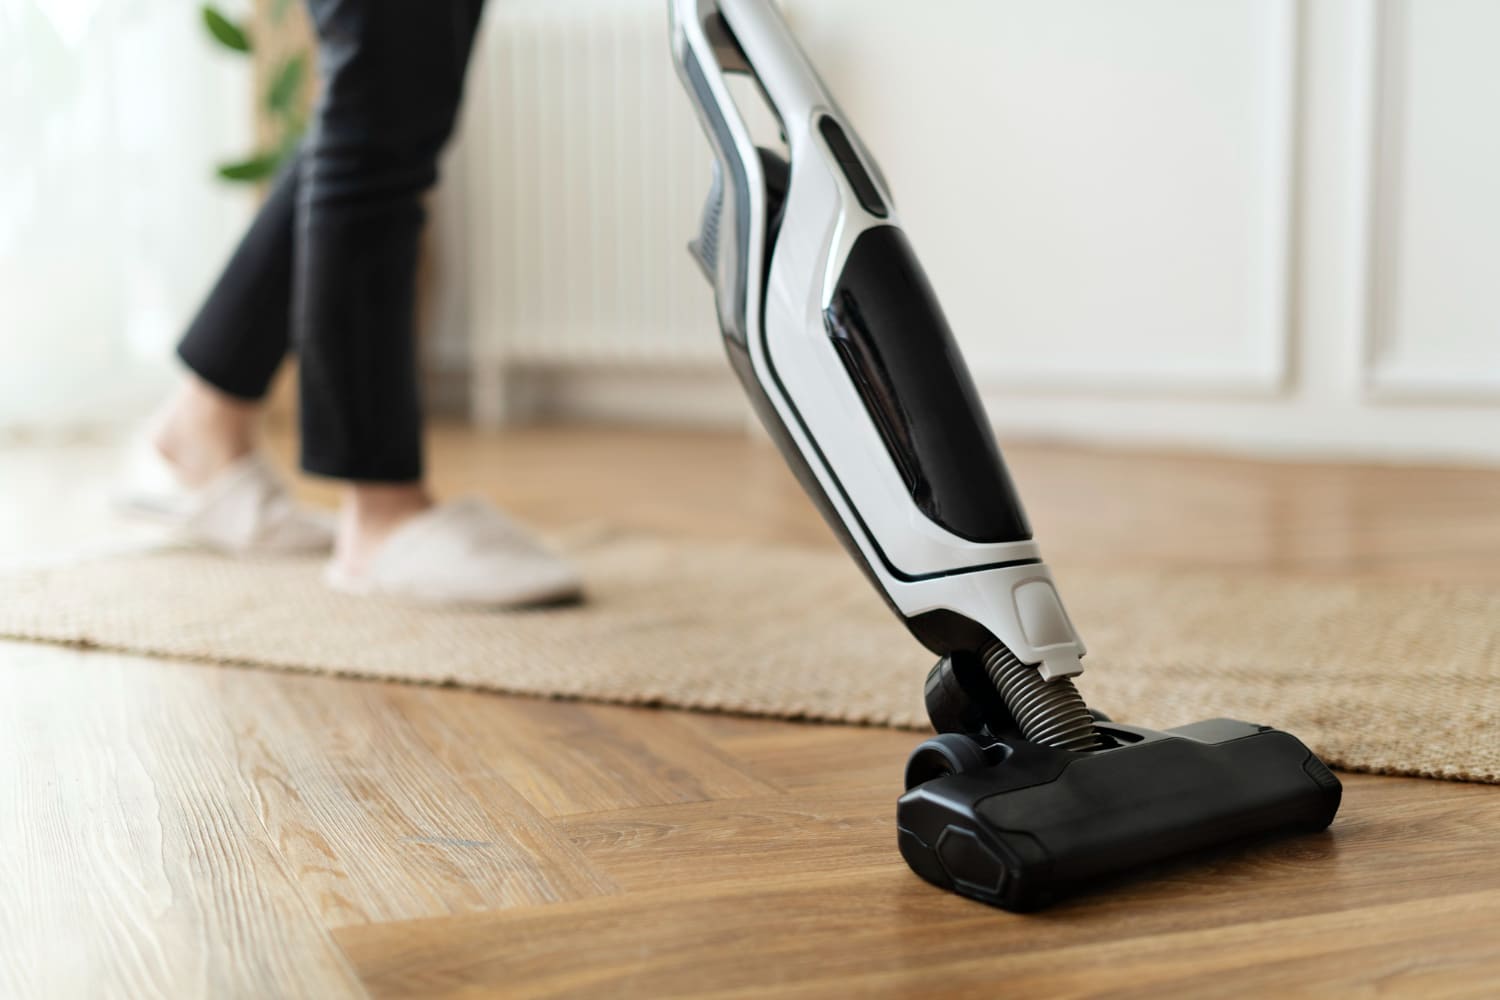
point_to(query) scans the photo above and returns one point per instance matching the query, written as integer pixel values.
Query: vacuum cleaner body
(839, 340)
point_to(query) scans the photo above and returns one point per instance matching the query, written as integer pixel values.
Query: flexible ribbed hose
(1051, 713)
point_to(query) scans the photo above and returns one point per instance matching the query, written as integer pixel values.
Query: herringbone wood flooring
(177, 830)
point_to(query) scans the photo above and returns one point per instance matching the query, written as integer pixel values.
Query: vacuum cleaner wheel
(944, 754)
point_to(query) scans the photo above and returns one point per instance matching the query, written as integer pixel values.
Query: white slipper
(464, 552)
(245, 510)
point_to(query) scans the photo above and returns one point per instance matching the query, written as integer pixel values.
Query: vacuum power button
(854, 170)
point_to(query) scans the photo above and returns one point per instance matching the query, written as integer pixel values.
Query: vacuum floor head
(1017, 824)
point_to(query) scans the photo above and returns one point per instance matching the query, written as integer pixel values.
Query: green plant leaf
(257, 168)
(225, 31)
(286, 86)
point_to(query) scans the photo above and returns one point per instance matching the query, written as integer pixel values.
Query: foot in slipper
(463, 552)
(245, 509)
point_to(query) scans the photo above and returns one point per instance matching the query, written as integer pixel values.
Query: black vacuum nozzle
(1015, 824)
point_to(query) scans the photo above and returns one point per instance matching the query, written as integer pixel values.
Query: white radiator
(573, 191)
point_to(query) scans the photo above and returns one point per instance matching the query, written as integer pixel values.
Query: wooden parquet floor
(171, 829)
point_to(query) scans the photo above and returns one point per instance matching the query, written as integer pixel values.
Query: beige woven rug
(1399, 679)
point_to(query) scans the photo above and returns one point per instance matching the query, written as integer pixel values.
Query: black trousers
(328, 267)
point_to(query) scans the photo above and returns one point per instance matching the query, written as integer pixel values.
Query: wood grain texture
(570, 757)
(169, 829)
(133, 864)
(1265, 916)
(381, 821)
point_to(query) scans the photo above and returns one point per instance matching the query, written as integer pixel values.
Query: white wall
(112, 223)
(1255, 225)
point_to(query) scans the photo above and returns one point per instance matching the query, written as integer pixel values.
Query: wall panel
(1435, 258)
(1101, 190)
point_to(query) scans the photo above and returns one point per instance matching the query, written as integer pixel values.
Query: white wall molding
(1273, 333)
(1135, 164)
(1403, 364)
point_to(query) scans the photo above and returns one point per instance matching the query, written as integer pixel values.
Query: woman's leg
(234, 346)
(393, 79)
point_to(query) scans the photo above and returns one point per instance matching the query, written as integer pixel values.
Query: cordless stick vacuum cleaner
(835, 332)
